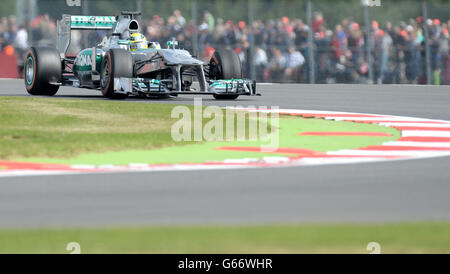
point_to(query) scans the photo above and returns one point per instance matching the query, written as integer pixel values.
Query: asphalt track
(411, 190)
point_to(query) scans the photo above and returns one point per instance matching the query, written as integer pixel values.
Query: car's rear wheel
(225, 65)
(42, 72)
(116, 63)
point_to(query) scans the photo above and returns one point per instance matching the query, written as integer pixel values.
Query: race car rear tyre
(225, 65)
(42, 71)
(116, 63)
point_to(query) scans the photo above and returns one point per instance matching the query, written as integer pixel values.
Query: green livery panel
(82, 66)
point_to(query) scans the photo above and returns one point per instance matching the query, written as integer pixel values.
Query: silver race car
(127, 64)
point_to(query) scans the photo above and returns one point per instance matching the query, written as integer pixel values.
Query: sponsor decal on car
(93, 21)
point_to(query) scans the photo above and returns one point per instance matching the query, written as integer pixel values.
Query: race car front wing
(154, 87)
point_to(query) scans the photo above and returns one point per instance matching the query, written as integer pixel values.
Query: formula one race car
(127, 64)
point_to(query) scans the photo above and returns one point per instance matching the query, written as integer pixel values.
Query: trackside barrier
(8, 66)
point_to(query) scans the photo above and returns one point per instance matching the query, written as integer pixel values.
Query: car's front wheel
(225, 65)
(116, 63)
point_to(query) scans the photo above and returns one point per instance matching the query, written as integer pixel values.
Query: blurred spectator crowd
(280, 46)
(15, 39)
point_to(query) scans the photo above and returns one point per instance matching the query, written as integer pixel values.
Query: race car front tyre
(116, 63)
(225, 65)
(43, 71)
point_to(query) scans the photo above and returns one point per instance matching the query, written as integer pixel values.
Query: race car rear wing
(92, 22)
(80, 22)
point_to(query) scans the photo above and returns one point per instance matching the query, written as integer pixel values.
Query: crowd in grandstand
(280, 52)
(15, 39)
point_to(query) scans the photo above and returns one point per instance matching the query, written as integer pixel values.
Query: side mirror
(123, 42)
(172, 44)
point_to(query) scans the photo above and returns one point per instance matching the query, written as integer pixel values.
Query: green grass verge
(49, 128)
(308, 238)
(108, 132)
(31, 127)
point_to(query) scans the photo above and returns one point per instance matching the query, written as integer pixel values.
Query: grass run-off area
(305, 238)
(114, 132)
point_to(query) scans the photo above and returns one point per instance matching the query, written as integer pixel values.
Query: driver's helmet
(138, 41)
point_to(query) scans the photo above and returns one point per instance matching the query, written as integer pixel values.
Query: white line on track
(369, 119)
(417, 144)
(411, 153)
(425, 133)
(399, 124)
